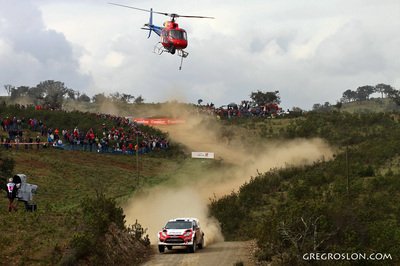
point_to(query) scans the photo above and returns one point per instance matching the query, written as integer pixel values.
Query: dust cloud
(240, 155)
(154, 207)
(26, 100)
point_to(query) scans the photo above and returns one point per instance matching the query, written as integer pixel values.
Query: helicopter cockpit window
(164, 36)
(177, 34)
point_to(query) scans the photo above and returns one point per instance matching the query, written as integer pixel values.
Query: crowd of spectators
(124, 136)
(245, 109)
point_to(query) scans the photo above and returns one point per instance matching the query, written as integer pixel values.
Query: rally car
(181, 232)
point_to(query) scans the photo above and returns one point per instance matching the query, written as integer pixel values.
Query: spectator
(37, 142)
(56, 134)
(11, 194)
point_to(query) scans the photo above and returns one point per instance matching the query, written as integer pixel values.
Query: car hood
(176, 232)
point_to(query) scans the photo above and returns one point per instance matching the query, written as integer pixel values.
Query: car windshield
(178, 225)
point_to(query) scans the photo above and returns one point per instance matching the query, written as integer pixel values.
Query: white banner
(203, 155)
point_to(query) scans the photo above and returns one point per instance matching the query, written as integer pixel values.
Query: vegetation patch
(346, 205)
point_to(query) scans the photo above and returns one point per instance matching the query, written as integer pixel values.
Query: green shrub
(6, 169)
(97, 214)
(306, 209)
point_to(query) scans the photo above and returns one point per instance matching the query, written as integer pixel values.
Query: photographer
(12, 190)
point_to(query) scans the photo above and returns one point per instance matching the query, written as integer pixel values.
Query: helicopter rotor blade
(141, 9)
(183, 16)
(172, 15)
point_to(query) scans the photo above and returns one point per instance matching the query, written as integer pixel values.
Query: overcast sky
(309, 50)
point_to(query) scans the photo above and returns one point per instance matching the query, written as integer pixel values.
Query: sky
(311, 51)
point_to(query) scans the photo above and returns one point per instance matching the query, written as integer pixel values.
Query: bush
(97, 215)
(138, 233)
(6, 169)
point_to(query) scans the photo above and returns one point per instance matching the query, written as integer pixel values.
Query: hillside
(297, 210)
(77, 189)
(372, 105)
(299, 201)
(65, 178)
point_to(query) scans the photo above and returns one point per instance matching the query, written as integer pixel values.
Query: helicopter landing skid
(159, 49)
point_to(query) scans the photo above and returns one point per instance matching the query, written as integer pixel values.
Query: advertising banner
(158, 121)
(203, 155)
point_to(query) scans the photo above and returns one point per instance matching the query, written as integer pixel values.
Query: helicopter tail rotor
(150, 27)
(150, 21)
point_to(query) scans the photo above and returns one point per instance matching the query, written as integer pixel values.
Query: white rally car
(181, 232)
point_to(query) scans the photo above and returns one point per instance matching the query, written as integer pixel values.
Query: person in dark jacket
(11, 194)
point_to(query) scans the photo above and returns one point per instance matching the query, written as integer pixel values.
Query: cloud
(32, 53)
(311, 51)
(350, 51)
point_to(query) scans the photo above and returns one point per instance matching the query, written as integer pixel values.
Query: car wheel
(201, 244)
(192, 248)
(161, 248)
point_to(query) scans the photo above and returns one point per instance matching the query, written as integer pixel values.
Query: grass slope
(64, 179)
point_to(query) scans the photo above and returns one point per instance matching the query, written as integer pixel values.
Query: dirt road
(218, 254)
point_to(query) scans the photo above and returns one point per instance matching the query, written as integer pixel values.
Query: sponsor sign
(203, 155)
(142, 121)
(158, 121)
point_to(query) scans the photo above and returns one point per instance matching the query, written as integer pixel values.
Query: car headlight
(162, 235)
(188, 233)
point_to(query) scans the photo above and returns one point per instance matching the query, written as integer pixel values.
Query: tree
(36, 94)
(384, 89)
(349, 96)
(316, 106)
(19, 92)
(297, 109)
(139, 99)
(84, 98)
(99, 98)
(8, 88)
(364, 92)
(53, 92)
(115, 97)
(394, 95)
(71, 94)
(263, 98)
(127, 97)
(305, 234)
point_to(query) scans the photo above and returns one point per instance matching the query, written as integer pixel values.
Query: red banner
(158, 121)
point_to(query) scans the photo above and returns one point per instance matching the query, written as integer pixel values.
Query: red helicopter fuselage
(173, 37)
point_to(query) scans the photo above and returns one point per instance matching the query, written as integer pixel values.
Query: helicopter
(173, 39)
